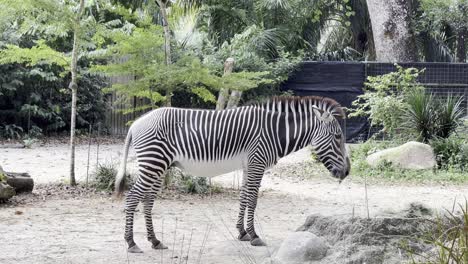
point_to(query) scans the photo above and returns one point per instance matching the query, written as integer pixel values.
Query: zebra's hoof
(159, 246)
(134, 249)
(257, 242)
(245, 237)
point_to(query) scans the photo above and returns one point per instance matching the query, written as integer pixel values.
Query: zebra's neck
(292, 124)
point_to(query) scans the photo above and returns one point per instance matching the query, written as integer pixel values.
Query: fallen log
(21, 182)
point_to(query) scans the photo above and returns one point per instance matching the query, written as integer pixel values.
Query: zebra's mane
(294, 102)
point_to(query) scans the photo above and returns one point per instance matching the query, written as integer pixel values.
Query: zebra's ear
(322, 114)
(340, 113)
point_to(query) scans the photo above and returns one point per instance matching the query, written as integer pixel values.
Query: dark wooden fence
(342, 81)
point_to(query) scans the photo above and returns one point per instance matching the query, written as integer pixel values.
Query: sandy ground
(90, 229)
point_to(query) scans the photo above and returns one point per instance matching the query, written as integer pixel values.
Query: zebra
(212, 142)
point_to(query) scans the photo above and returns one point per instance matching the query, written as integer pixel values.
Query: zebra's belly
(210, 168)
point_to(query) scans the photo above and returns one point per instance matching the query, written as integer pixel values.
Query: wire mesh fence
(342, 81)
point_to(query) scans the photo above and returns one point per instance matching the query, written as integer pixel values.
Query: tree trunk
(224, 93)
(361, 29)
(393, 39)
(74, 88)
(167, 42)
(461, 44)
(234, 99)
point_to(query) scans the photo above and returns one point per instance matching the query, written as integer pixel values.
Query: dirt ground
(58, 227)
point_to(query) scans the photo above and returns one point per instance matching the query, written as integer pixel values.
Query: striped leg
(133, 198)
(243, 236)
(253, 184)
(152, 165)
(147, 208)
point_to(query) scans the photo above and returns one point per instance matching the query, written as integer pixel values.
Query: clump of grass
(185, 183)
(104, 177)
(449, 240)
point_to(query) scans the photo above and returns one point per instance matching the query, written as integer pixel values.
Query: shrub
(420, 115)
(429, 117)
(451, 152)
(384, 99)
(104, 177)
(11, 131)
(182, 182)
(450, 114)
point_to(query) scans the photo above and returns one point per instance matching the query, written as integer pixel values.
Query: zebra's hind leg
(243, 235)
(133, 198)
(147, 208)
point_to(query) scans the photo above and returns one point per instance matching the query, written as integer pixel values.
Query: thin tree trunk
(224, 93)
(74, 87)
(393, 39)
(167, 43)
(234, 99)
(461, 44)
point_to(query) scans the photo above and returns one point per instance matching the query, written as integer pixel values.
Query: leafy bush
(384, 99)
(398, 103)
(104, 177)
(11, 131)
(451, 153)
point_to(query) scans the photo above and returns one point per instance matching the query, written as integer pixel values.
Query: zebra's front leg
(243, 235)
(252, 204)
(147, 208)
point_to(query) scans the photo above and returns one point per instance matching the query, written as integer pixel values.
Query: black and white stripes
(209, 143)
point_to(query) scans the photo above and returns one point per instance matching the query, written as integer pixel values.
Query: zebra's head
(328, 141)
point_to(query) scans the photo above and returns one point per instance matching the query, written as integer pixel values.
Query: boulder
(411, 155)
(301, 247)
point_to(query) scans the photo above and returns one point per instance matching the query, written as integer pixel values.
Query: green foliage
(449, 239)
(141, 55)
(38, 54)
(385, 172)
(438, 23)
(384, 98)
(451, 153)
(11, 131)
(419, 117)
(35, 48)
(3, 177)
(427, 117)
(450, 114)
(104, 177)
(178, 180)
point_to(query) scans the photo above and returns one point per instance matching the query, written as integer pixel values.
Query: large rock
(411, 155)
(301, 247)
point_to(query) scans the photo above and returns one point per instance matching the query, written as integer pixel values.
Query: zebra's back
(205, 142)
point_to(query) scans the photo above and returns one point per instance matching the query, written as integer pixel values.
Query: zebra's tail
(120, 178)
